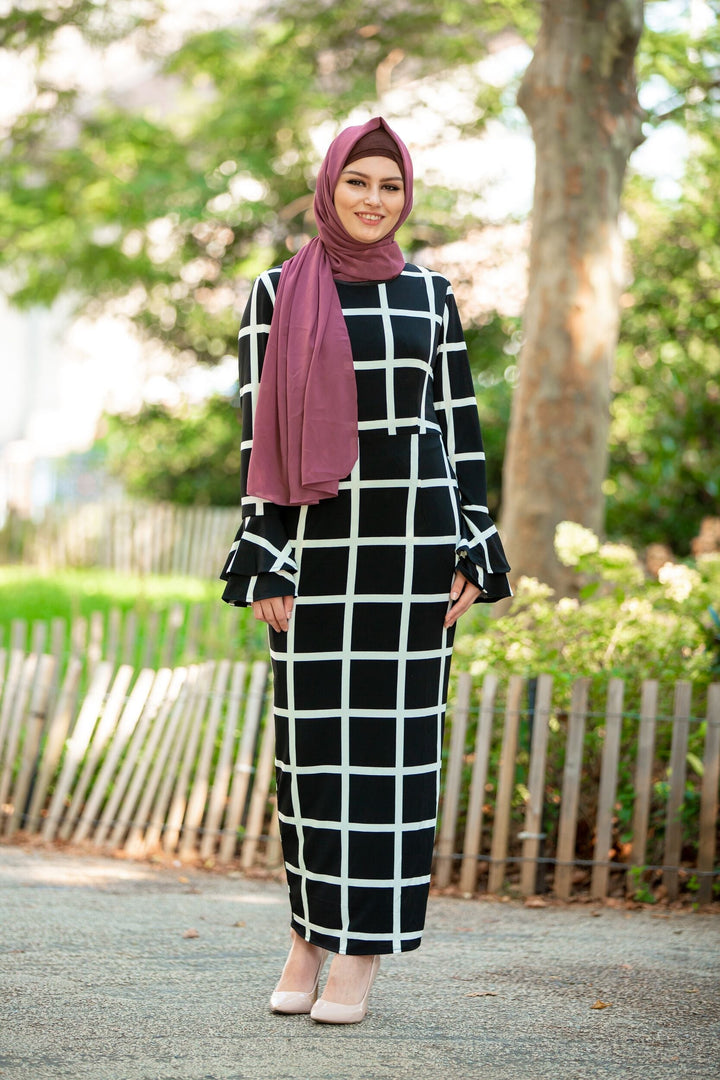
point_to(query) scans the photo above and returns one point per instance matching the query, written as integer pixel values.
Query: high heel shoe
(293, 1002)
(331, 1012)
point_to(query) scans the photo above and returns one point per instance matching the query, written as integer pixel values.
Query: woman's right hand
(275, 611)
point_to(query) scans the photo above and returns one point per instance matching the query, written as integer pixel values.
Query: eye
(392, 187)
(354, 181)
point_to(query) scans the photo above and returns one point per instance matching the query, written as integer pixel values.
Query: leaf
(192, 933)
(482, 993)
(601, 1004)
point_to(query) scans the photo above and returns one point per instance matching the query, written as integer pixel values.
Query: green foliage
(176, 208)
(665, 455)
(189, 456)
(664, 451)
(623, 624)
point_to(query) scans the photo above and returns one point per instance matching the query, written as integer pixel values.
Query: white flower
(566, 604)
(572, 541)
(679, 580)
(618, 555)
(529, 588)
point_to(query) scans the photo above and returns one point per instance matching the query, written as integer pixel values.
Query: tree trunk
(579, 95)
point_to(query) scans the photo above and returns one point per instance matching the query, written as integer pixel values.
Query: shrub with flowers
(624, 623)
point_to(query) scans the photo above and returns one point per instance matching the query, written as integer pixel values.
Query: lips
(370, 219)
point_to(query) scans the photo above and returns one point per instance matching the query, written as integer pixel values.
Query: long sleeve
(481, 558)
(260, 563)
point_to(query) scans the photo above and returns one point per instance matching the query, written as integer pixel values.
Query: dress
(361, 676)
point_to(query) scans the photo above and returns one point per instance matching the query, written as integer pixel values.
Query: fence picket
(38, 636)
(76, 746)
(57, 730)
(113, 634)
(165, 770)
(243, 769)
(453, 779)
(111, 817)
(201, 780)
(9, 690)
(35, 723)
(643, 780)
(178, 803)
(223, 771)
(678, 755)
(608, 786)
(15, 726)
(506, 784)
(572, 774)
(96, 637)
(532, 832)
(105, 727)
(709, 796)
(145, 761)
(78, 636)
(129, 638)
(273, 849)
(260, 794)
(476, 797)
(124, 729)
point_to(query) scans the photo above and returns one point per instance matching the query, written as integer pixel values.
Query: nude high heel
(294, 1002)
(331, 1012)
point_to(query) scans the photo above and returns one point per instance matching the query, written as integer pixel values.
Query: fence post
(678, 754)
(572, 772)
(532, 834)
(709, 796)
(476, 798)
(243, 768)
(506, 785)
(608, 786)
(453, 779)
(223, 771)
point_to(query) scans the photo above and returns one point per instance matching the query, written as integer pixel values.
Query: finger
(458, 585)
(267, 611)
(467, 593)
(289, 603)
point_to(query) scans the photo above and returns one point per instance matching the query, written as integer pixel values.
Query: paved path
(97, 982)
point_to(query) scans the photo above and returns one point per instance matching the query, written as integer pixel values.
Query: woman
(365, 535)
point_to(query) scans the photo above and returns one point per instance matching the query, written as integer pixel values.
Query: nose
(372, 197)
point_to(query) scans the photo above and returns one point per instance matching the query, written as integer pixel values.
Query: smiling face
(369, 198)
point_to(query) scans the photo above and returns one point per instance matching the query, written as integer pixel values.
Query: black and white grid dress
(361, 676)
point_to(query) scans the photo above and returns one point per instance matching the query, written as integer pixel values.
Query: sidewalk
(97, 982)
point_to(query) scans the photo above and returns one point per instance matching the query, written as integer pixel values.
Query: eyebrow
(383, 179)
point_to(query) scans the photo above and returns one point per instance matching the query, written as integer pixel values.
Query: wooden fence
(180, 760)
(132, 537)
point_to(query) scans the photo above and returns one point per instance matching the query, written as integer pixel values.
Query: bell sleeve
(260, 563)
(481, 558)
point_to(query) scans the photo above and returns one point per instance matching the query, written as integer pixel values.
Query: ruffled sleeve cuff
(260, 564)
(482, 561)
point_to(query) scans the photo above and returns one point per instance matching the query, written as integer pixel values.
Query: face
(369, 198)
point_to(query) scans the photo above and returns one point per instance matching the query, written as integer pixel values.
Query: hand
(463, 594)
(275, 611)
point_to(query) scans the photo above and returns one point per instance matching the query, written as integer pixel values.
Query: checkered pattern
(360, 679)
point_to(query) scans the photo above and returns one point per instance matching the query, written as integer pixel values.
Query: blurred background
(155, 157)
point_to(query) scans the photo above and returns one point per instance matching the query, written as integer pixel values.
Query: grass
(32, 595)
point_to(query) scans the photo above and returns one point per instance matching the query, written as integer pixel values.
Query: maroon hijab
(305, 436)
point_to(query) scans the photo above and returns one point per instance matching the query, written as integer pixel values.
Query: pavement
(101, 979)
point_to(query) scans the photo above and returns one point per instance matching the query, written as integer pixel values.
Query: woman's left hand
(463, 594)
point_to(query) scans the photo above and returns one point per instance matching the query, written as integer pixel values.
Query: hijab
(305, 432)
